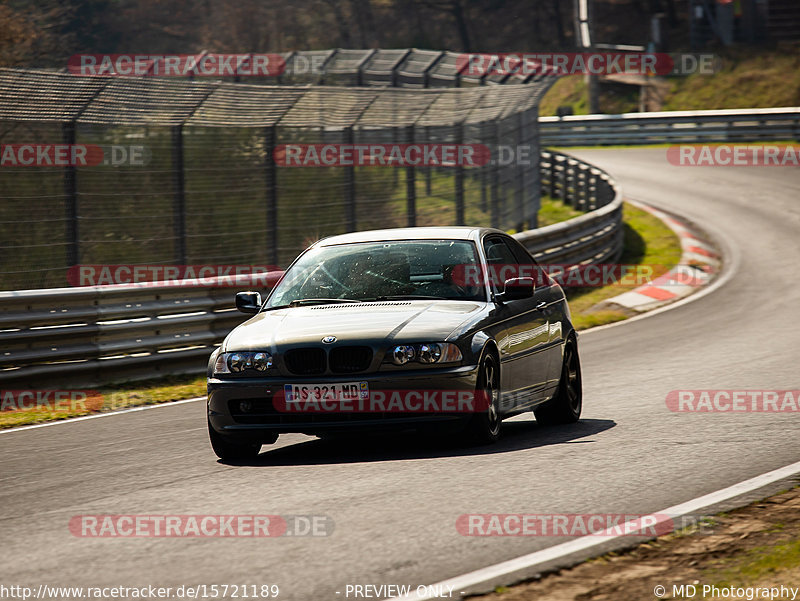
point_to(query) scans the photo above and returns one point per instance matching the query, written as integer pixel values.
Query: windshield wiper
(321, 301)
(410, 297)
(312, 301)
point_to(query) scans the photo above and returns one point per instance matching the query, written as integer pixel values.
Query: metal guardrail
(691, 127)
(101, 334)
(595, 237)
(98, 334)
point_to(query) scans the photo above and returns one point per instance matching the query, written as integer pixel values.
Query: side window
(498, 256)
(522, 254)
(531, 267)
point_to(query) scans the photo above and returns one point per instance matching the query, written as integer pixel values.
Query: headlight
(262, 361)
(237, 362)
(403, 354)
(242, 361)
(428, 352)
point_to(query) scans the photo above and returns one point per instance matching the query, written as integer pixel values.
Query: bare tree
(455, 9)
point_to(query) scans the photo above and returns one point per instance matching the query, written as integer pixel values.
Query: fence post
(533, 171)
(71, 201)
(395, 141)
(519, 169)
(271, 184)
(178, 195)
(411, 185)
(428, 168)
(350, 186)
(494, 178)
(483, 175)
(459, 178)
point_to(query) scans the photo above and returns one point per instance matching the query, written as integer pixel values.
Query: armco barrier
(101, 334)
(691, 127)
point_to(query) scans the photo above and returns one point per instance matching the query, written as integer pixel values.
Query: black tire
(230, 451)
(565, 407)
(484, 427)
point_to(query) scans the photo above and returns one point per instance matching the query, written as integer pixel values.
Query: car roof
(410, 233)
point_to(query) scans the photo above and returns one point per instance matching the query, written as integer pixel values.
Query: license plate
(314, 393)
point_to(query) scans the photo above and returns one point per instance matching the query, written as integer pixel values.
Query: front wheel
(566, 405)
(230, 451)
(484, 427)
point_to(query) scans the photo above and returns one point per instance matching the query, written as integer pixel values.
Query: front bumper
(265, 419)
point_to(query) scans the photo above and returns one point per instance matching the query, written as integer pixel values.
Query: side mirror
(515, 289)
(248, 302)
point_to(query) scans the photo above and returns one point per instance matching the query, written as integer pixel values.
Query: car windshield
(380, 270)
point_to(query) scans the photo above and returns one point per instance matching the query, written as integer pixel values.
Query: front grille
(350, 359)
(305, 361)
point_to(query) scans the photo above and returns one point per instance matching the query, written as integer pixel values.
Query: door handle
(541, 305)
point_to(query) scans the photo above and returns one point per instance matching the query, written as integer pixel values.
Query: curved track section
(395, 503)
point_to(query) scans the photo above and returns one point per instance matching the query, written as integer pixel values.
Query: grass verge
(647, 241)
(111, 398)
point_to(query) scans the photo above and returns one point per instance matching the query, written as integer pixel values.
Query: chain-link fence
(190, 171)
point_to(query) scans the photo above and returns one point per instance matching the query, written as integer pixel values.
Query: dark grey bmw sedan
(401, 328)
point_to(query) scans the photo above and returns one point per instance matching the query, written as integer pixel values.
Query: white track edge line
(730, 265)
(458, 583)
(72, 420)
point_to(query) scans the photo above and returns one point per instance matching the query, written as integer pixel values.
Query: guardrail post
(350, 186)
(71, 201)
(178, 196)
(572, 183)
(459, 179)
(411, 185)
(563, 166)
(271, 185)
(552, 186)
(591, 189)
(580, 186)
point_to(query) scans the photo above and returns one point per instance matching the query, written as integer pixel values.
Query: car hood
(364, 322)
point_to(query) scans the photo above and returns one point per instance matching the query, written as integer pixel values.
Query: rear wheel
(566, 405)
(484, 427)
(230, 451)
